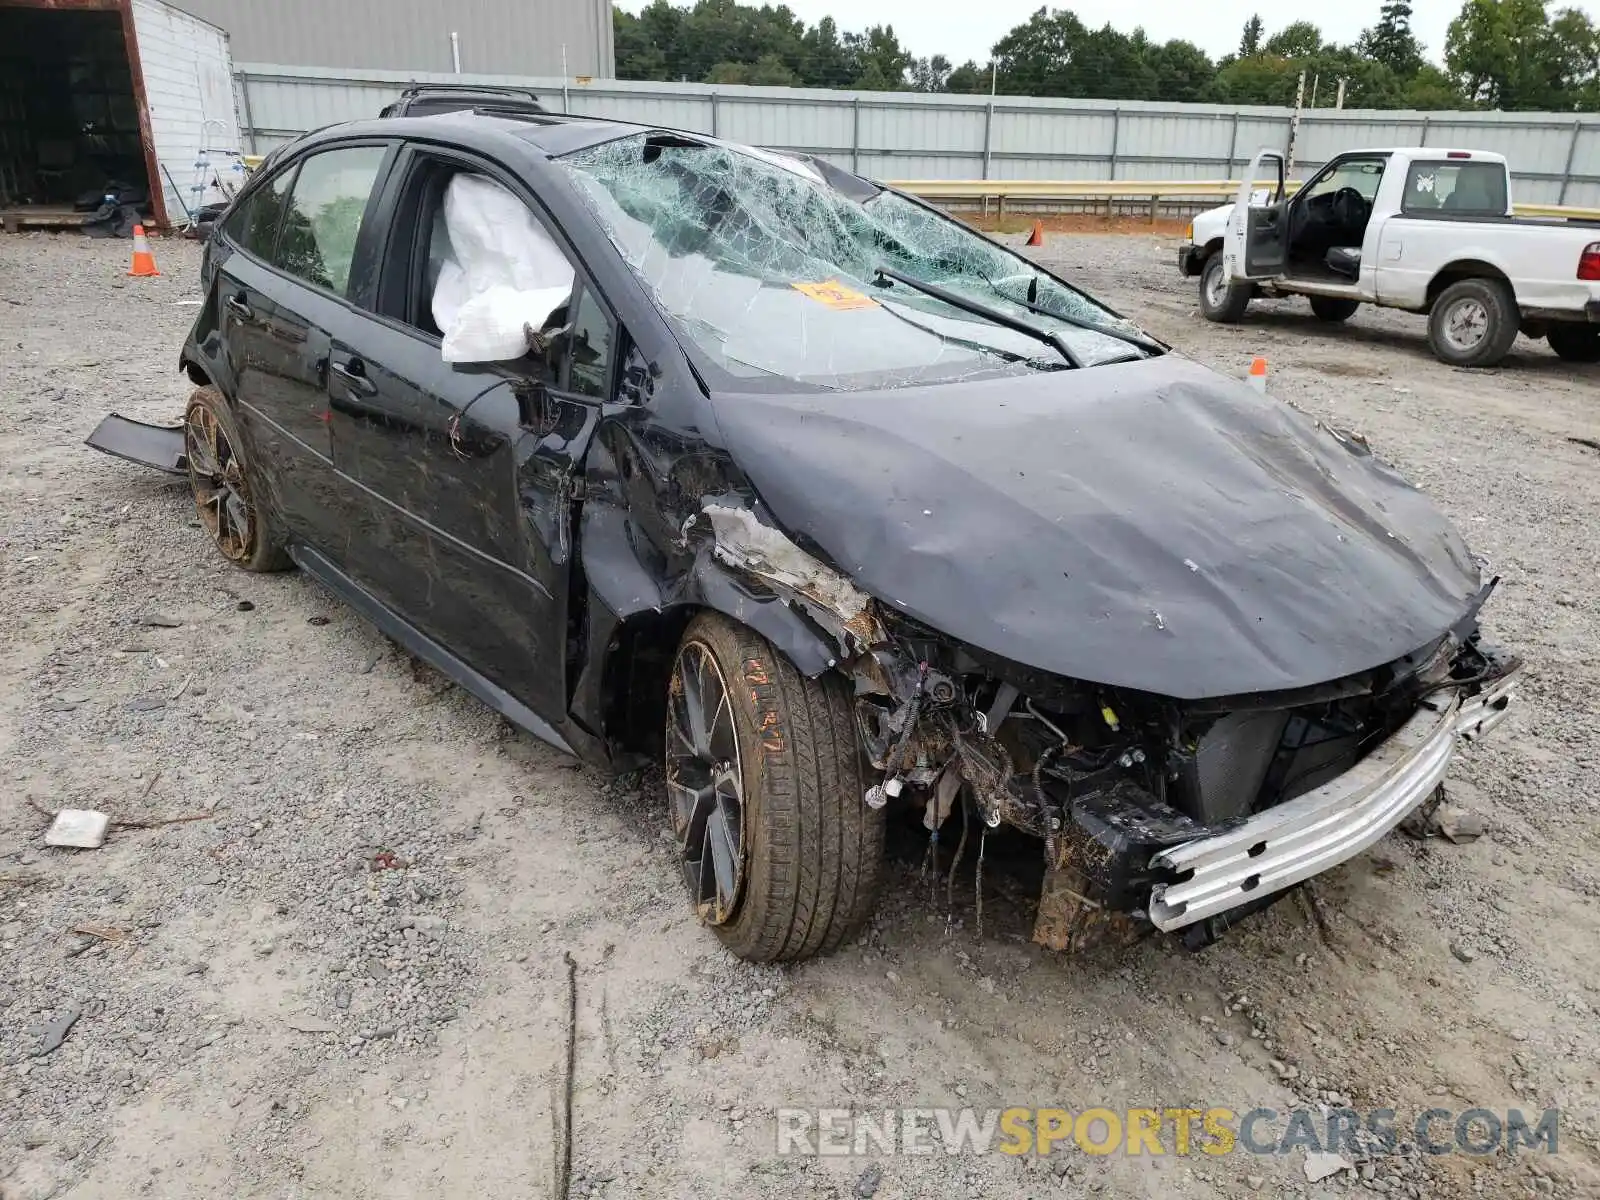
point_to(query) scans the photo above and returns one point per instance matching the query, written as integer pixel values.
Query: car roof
(549, 133)
(1428, 152)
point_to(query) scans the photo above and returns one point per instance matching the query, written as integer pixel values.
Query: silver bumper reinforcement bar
(1282, 846)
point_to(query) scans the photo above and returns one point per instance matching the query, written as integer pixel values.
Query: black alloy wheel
(705, 783)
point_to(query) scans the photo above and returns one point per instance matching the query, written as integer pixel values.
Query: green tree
(1182, 72)
(1508, 54)
(1391, 41)
(644, 43)
(1368, 82)
(1258, 79)
(771, 71)
(1035, 58)
(825, 62)
(1432, 89)
(1250, 42)
(880, 61)
(1575, 54)
(969, 79)
(728, 72)
(1301, 39)
(931, 74)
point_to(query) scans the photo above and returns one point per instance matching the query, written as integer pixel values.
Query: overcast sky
(963, 29)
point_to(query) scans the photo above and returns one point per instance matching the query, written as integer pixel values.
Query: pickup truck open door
(1256, 244)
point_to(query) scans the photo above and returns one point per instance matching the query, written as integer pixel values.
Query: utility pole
(1294, 125)
(994, 77)
(1340, 104)
(1316, 83)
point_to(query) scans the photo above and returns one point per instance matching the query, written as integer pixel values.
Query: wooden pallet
(41, 216)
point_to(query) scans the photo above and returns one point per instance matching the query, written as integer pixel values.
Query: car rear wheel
(1333, 308)
(1220, 300)
(231, 508)
(1473, 323)
(1575, 343)
(766, 786)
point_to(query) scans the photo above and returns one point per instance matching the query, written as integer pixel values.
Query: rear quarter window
(1456, 186)
(253, 225)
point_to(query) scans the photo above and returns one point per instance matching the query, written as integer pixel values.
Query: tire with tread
(1504, 320)
(265, 551)
(1333, 308)
(1235, 297)
(813, 848)
(1575, 343)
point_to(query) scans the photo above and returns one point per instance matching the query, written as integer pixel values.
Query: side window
(254, 224)
(323, 217)
(1465, 187)
(1363, 175)
(589, 349)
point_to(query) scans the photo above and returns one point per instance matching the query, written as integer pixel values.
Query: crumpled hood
(1149, 525)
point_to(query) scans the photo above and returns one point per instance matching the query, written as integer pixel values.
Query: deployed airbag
(502, 274)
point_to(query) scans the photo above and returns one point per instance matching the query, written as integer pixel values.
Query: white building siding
(496, 37)
(188, 86)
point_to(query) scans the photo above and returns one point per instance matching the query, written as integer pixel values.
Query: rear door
(468, 470)
(1256, 244)
(280, 301)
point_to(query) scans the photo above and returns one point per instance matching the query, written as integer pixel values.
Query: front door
(1256, 244)
(469, 471)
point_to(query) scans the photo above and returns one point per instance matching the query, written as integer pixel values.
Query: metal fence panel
(1555, 157)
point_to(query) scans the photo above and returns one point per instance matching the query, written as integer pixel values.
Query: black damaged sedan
(834, 507)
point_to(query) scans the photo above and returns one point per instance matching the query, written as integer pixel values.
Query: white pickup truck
(1427, 230)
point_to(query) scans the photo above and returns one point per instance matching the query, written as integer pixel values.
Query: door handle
(354, 374)
(240, 308)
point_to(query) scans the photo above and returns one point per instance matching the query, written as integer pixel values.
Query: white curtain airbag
(503, 274)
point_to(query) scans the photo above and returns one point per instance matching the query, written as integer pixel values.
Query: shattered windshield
(771, 270)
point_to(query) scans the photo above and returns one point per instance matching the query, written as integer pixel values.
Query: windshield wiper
(965, 304)
(1148, 345)
(968, 343)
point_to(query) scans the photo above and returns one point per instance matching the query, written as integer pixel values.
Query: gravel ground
(341, 973)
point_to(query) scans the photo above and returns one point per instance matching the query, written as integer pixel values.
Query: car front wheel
(1220, 300)
(765, 786)
(231, 506)
(1575, 343)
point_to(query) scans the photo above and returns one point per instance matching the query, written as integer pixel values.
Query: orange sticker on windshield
(836, 295)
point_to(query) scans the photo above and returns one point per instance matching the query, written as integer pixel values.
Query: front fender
(645, 582)
(1211, 225)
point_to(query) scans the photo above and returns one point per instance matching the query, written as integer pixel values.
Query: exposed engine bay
(1116, 782)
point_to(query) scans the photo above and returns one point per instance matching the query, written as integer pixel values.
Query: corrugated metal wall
(1555, 157)
(496, 36)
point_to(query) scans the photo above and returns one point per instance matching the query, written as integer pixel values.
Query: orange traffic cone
(1258, 374)
(1037, 238)
(144, 263)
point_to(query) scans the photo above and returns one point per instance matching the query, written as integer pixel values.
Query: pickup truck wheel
(1575, 343)
(1333, 308)
(1220, 300)
(766, 787)
(232, 509)
(1473, 323)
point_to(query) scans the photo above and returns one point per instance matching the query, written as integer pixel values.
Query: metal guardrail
(1004, 191)
(1110, 190)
